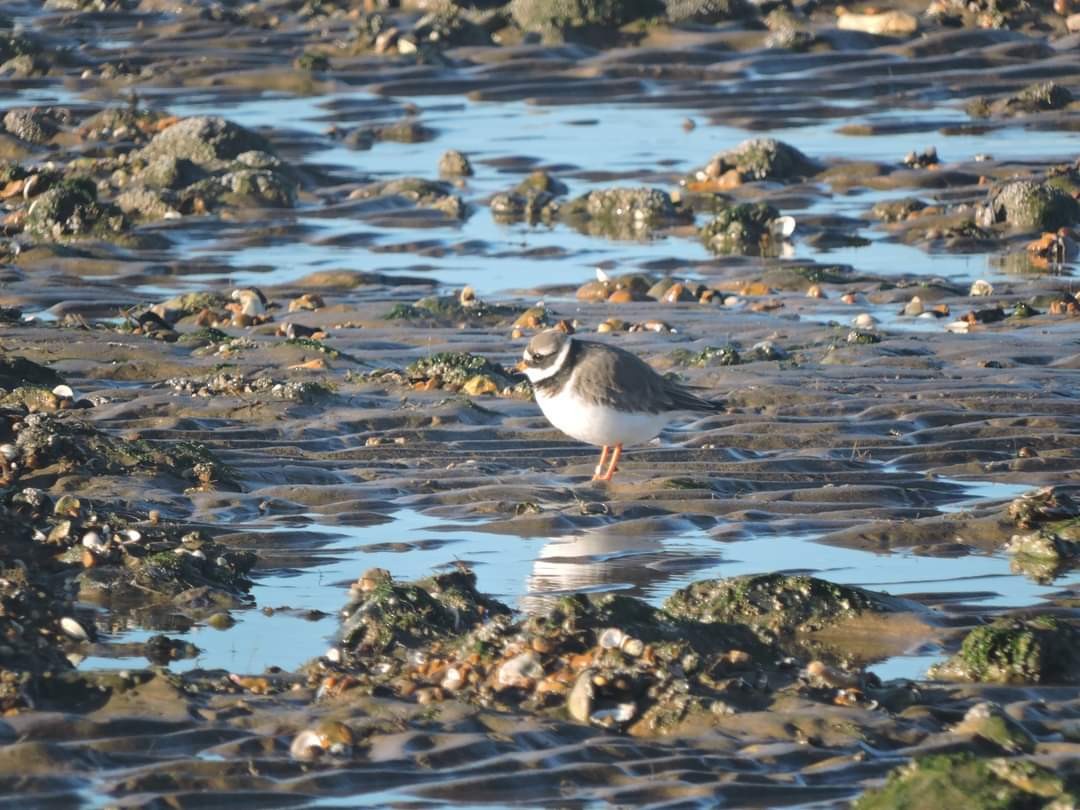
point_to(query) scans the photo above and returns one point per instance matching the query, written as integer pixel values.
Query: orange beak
(520, 366)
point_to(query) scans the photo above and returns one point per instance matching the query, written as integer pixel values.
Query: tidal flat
(280, 526)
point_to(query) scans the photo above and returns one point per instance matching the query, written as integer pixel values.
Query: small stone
(579, 703)
(221, 621)
(454, 164)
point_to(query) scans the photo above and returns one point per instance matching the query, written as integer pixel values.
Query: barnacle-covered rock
(70, 210)
(745, 229)
(754, 159)
(1029, 205)
(205, 140)
(623, 213)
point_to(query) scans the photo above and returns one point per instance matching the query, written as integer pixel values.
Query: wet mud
(282, 527)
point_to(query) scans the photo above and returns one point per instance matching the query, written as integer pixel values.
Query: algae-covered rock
(194, 563)
(70, 209)
(17, 371)
(706, 11)
(760, 159)
(961, 780)
(776, 605)
(181, 306)
(540, 15)
(204, 140)
(385, 614)
(1034, 98)
(743, 229)
(1028, 205)
(32, 124)
(448, 310)
(709, 356)
(1041, 649)
(623, 213)
(989, 722)
(1042, 555)
(49, 442)
(453, 370)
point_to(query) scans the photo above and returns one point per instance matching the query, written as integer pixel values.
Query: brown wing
(606, 373)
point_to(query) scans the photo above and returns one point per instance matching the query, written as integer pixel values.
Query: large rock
(71, 209)
(706, 11)
(760, 159)
(539, 15)
(204, 140)
(624, 213)
(1028, 205)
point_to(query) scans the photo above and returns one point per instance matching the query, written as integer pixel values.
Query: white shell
(611, 638)
(453, 680)
(981, 287)
(307, 745)
(94, 542)
(864, 320)
(334, 655)
(958, 327)
(64, 392)
(601, 276)
(72, 629)
(9, 451)
(250, 302)
(622, 713)
(783, 226)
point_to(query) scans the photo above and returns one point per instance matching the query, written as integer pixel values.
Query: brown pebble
(154, 516)
(815, 291)
(849, 298)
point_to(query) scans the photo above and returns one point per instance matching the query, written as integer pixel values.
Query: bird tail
(684, 400)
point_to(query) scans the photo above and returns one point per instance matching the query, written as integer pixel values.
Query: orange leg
(612, 467)
(600, 463)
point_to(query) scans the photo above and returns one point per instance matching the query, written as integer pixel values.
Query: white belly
(597, 424)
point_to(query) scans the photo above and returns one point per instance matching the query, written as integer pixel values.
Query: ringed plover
(601, 394)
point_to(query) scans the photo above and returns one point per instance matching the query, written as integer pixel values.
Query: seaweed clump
(963, 780)
(1040, 649)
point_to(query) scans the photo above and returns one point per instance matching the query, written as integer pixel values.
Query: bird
(603, 395)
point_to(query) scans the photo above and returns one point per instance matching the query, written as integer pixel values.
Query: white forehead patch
(539, 374)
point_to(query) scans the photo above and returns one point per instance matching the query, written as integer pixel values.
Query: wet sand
(186, 616)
